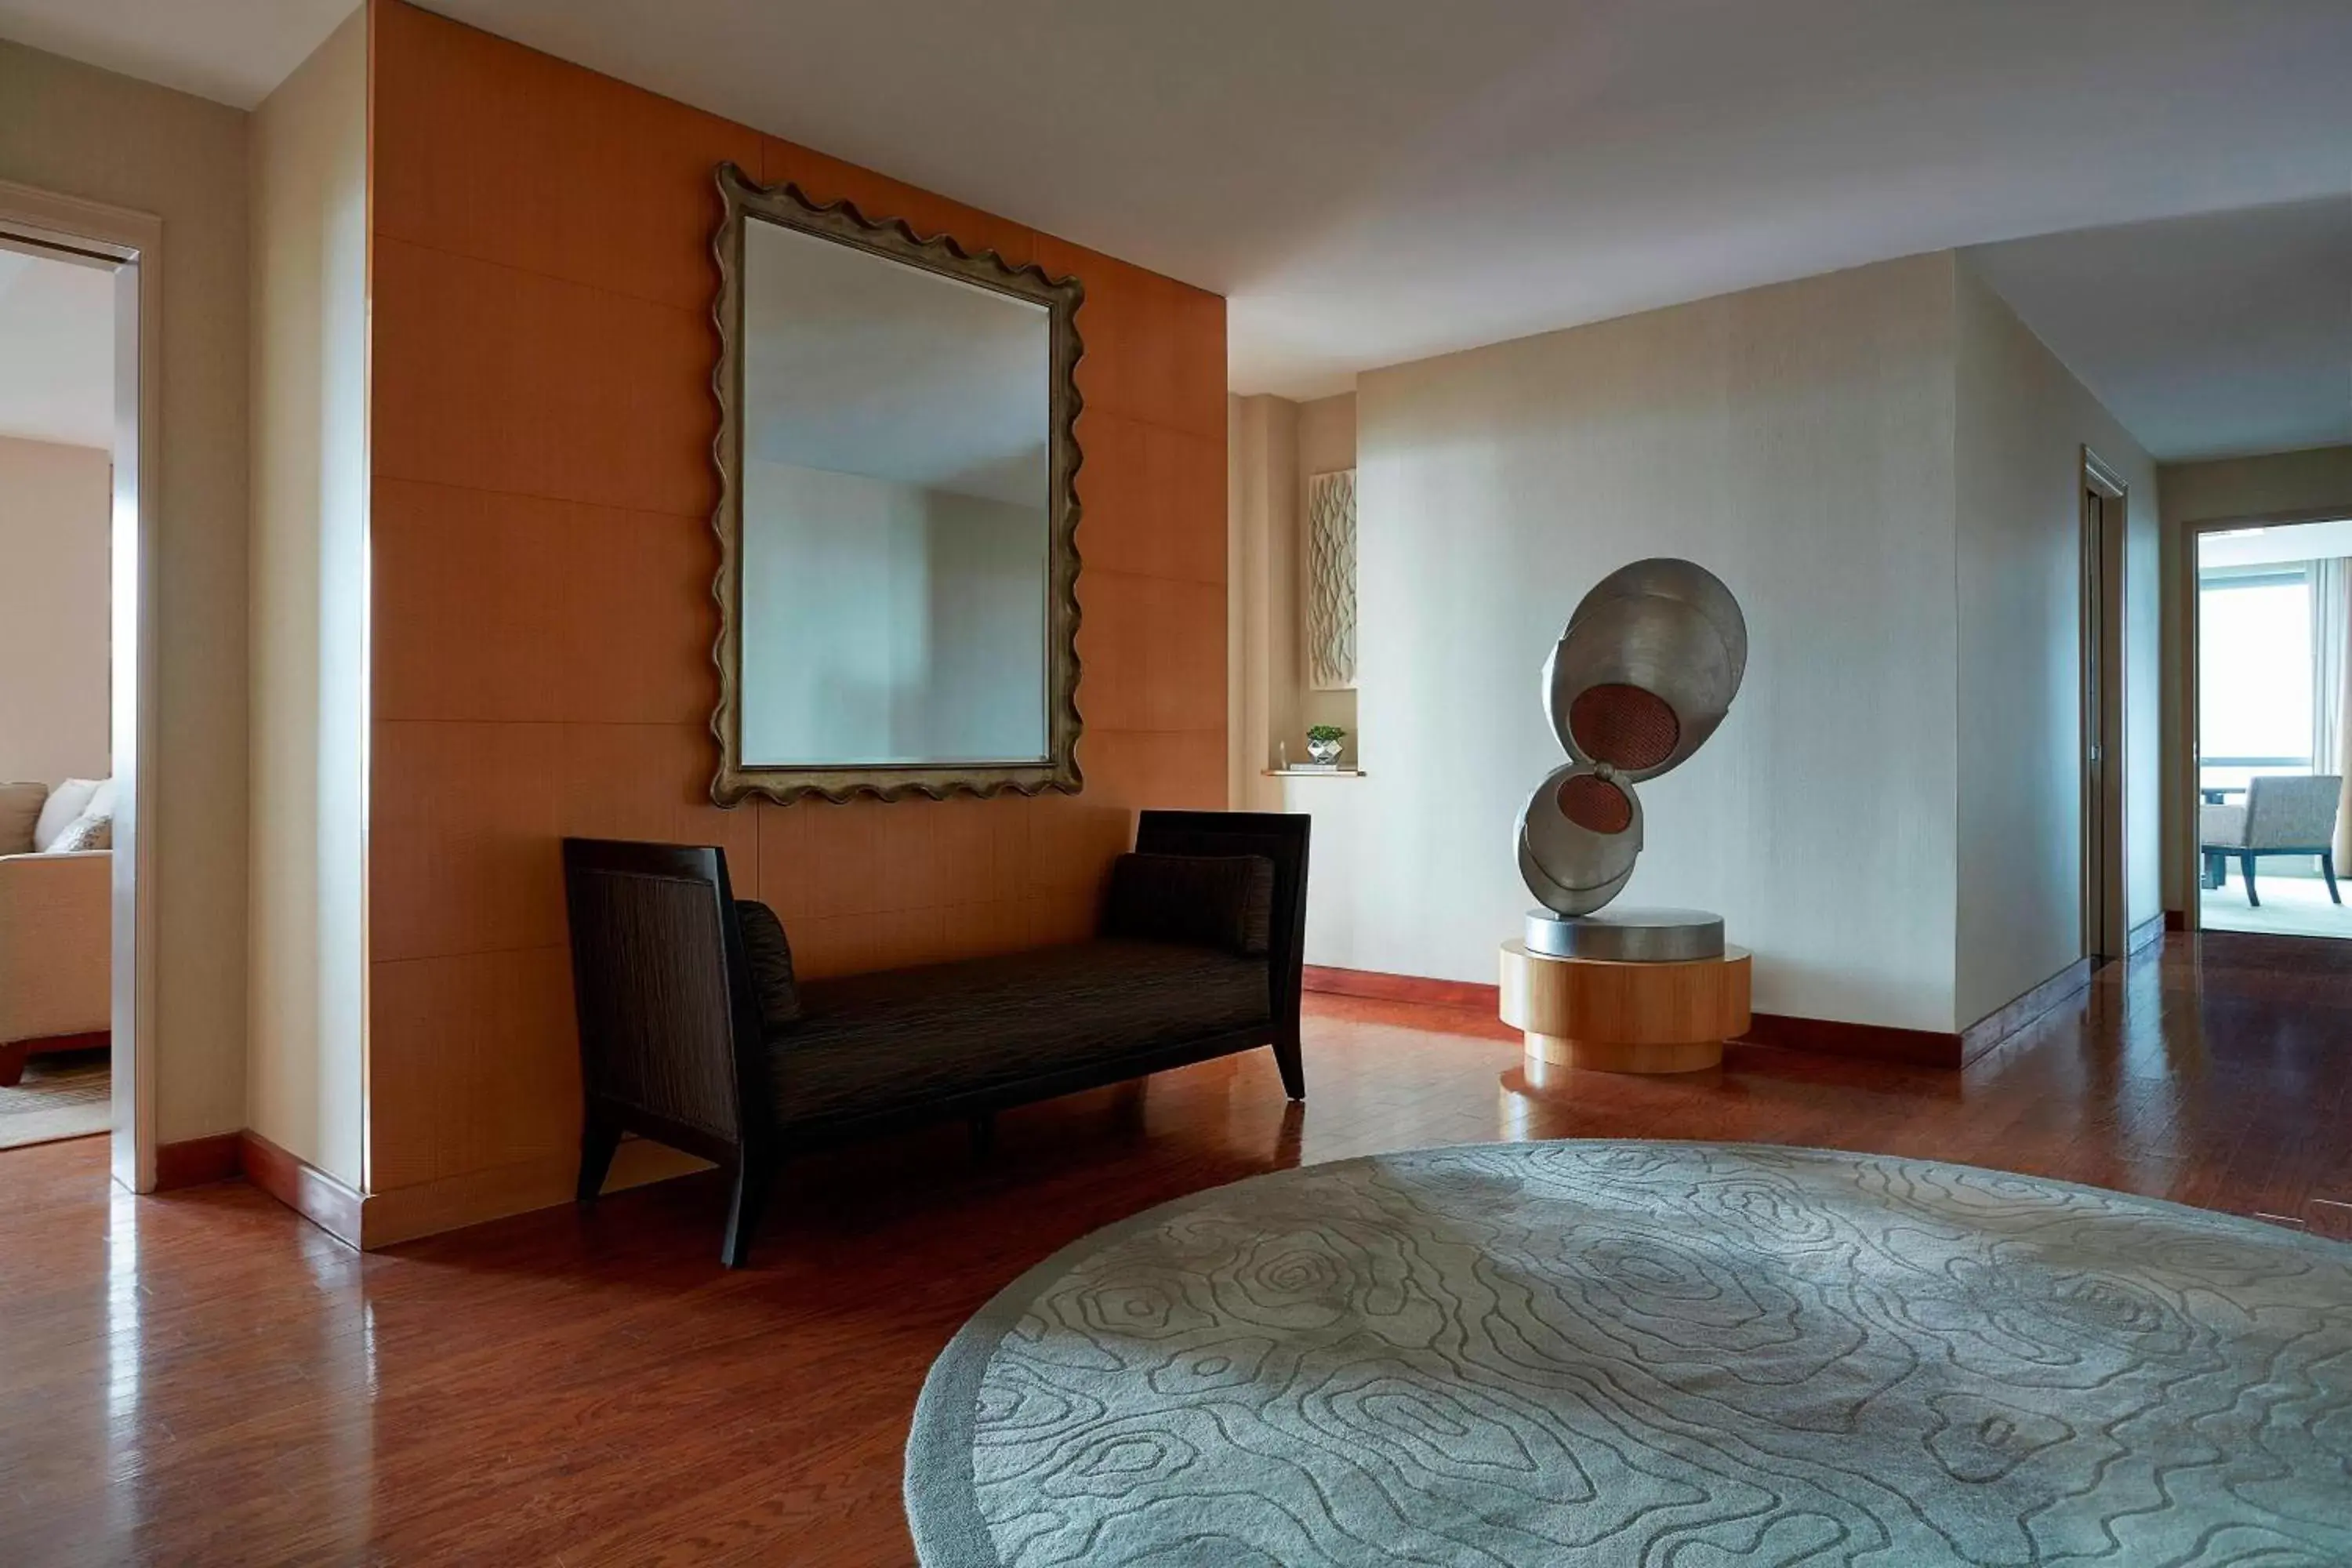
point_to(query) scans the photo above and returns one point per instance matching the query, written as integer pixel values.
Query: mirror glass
(897, 514)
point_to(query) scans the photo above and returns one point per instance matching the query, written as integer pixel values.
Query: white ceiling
(57, 350)
(1370, 180)
(233, 51)
(2212, 336)
(862, 366)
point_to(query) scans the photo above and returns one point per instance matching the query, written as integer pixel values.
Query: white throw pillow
(21, 814)
(85, 833)
(68, 801)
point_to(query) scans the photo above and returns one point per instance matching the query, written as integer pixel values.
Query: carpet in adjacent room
(64, 1094)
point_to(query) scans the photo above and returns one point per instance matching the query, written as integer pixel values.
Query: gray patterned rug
(1677, 1356)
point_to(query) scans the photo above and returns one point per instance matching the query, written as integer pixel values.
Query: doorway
(2106, 512)
(79, 285)
(2273, 614)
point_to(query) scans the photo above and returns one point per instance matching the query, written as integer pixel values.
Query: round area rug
(1679, 1355)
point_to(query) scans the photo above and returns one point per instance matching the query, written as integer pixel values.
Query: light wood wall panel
(542, 608)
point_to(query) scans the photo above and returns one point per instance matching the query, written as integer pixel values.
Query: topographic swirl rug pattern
(1679, 1355)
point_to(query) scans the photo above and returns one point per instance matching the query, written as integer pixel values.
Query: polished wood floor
(203, 1378)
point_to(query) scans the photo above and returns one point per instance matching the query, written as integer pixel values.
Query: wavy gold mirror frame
(737, 781)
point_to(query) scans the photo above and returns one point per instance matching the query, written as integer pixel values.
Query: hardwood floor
(204, 1378)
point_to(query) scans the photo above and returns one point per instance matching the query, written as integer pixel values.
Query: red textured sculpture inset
(1595, 804)
(1623, 726)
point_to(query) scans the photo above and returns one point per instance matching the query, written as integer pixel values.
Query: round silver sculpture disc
(1657, 649)
(1627, 936)
(1667, 577)
(1645, 670)
(1571, 867)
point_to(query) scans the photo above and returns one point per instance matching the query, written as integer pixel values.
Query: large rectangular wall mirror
(897, 519)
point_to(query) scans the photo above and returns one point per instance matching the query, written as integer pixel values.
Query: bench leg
(599, 1136)
(2327, 869)
(12, 1062)
(753, 1172)
(2246, 868)
(1294, 1072)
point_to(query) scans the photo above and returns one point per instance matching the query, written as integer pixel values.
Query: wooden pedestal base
(1625, 1017)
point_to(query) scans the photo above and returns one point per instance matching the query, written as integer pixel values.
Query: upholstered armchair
(2282, 815)
(56, 950)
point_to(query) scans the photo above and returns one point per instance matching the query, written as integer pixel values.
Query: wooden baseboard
(301, 1186)
(2148, 932)
(193, 1162)
(2176, 919)
(1824, 1034)
(2002, 1022)
(370, 1220)
(1925, 1048)
(290, 1179)
(1379, 988)
(477, 1197)
(1873, 1042)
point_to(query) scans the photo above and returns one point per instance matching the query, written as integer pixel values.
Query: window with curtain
(2255, 673)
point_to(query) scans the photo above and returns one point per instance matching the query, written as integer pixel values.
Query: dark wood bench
(689, 1036)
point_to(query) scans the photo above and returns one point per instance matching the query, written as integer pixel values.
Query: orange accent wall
(542, 422)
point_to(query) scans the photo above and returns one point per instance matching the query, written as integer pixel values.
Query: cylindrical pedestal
(1625, 1016)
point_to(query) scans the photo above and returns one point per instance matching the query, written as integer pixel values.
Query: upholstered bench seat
(695, 1029)
(874, 1042)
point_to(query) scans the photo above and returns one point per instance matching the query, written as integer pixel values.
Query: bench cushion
(875, 1043)
(771, 958)
(1215, 900)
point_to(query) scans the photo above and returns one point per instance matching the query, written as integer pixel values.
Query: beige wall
(55, 509)
(1797, 440)
(75, 131)
(306, 1059)
(2312, 483)
(2284, 484)
(2023, 423)
(1263, 593)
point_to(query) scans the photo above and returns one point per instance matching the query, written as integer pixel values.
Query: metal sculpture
(1645, 672)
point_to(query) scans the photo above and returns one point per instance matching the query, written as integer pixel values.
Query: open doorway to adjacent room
(75, 375)
(2273, 615)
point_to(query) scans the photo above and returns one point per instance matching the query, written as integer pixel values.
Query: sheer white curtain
(2331, 692)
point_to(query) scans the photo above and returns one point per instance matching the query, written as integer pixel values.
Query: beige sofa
(56, 940)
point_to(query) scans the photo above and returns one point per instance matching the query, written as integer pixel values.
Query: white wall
(1797, 440)
(76, 130)
(2023, 423)
(887, 621)
(56, 507)
(306, 1066)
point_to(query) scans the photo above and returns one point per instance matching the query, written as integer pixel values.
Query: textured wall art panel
(1330, 581)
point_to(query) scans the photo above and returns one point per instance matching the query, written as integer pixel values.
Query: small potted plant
(1323, 744)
